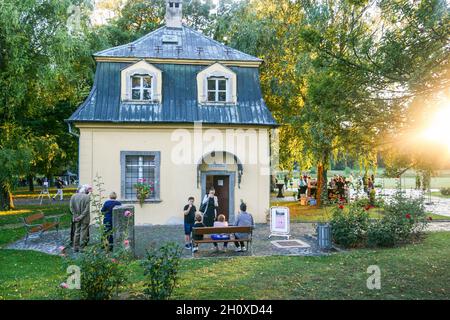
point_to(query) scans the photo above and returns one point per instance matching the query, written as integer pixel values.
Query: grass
(26, 194)
(440, 195)
(15, 231)
(442, 179)
(417, 271)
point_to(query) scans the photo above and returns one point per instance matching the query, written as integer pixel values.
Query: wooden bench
(32, 227)
(231, 230)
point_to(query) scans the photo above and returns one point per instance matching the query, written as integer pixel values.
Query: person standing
(189, 211)
(209, 207)
(59, 189)
(107, 209)
(80, 209)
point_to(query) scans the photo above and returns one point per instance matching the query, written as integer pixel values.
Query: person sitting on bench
(244, 219)
(220, 223)
(198, 224)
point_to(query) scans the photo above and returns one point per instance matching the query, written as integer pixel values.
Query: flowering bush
(404, 218)
(101, 273)
(348, 227)
(160, 270)
(143, 190)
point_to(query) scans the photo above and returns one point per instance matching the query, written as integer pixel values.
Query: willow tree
(45, 67)
(341, 74)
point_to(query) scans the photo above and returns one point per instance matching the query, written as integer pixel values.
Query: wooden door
(221, 185)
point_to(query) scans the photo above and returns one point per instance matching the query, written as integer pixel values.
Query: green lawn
(12, 218)
(24, 193)
(442, 178)
(418, 271)
(440, 195)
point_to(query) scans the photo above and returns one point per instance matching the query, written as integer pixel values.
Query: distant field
(408, 179)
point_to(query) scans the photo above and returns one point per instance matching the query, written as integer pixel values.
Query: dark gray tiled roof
(192, 45)
(179, 99)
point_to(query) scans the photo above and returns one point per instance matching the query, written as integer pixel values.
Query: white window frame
(217, 70)
(141, 87)
(141, 68)
(217, 91)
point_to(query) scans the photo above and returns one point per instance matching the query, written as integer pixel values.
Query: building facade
(181, 112)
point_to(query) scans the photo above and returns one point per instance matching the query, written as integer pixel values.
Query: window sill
(135, 201)
(141, 101)
(213, 103)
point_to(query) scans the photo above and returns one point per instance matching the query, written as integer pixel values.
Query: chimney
(173, 13)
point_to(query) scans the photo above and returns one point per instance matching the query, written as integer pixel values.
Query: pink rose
(64, 285)
(126, 243)
(113, 260)
(128, 213)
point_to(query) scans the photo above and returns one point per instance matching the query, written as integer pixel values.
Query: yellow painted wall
(100, 147)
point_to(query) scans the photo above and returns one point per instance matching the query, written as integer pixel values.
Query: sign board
(220, 183)
(279, 222)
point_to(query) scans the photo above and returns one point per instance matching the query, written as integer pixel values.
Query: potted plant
(143, 190)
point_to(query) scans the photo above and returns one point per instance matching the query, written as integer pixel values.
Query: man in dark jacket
(107, 209)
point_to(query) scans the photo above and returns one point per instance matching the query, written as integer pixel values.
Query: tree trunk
(6, 199)
(30, 183)
(321, 191)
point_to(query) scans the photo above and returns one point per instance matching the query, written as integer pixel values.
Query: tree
(44, 67)
(341, 74)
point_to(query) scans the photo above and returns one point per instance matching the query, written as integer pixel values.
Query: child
(221, 223)
(198, 224)
(189, 211)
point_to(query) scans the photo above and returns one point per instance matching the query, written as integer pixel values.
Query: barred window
(140, 168)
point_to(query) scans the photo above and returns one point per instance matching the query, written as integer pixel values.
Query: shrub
(101, 273)
(445, 191)
(372, 195)
(404, 217)
(348, 227)
(160, 271)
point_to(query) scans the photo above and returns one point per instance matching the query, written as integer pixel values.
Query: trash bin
(324, 236)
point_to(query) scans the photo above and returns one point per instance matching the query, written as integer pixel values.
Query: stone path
(155, 235)
(50, 242)
(147, 236)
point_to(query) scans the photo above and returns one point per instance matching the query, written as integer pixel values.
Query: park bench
(32, 227)
(231, 230)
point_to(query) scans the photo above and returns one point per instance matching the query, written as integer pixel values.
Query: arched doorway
(220, 170)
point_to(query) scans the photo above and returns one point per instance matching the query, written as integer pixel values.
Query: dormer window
(217, 85)
(141, 87)
(141, 82)
(217, 89)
